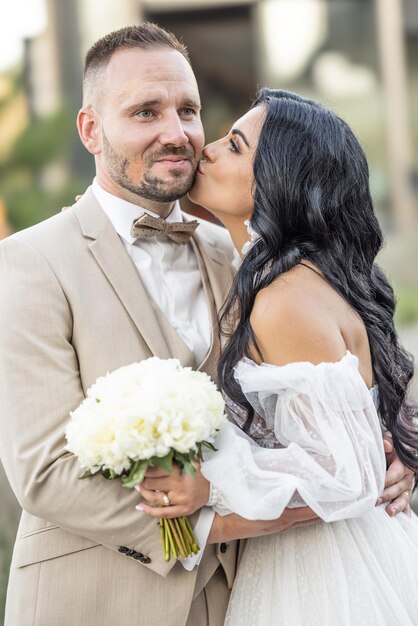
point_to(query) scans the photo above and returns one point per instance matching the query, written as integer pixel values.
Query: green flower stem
(183, 538)
(169, 533)
(189, 532)
(167, 542)
(185, 530)
(166, 552)
(186, 535)
(195, 545)
(178, 538)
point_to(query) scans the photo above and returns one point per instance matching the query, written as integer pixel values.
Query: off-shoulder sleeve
(332, 457)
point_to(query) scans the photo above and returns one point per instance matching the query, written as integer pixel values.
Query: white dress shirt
(170, 273)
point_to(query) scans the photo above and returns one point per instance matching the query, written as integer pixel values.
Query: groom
(84, 293)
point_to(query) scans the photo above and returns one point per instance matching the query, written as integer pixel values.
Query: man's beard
(151, 187)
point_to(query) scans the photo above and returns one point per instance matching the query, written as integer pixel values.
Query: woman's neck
(236, 228)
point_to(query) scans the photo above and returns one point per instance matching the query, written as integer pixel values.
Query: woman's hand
(172, 495)
(398, 483)
(77, 198)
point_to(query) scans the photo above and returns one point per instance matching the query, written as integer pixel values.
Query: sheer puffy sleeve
(332, 457)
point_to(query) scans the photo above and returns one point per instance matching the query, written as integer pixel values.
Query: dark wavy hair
(312, 202)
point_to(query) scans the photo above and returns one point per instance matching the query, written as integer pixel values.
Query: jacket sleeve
(39, 385)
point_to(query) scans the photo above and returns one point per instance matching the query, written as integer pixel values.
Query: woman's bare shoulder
(293, 320)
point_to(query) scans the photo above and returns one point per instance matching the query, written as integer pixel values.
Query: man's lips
(174, 161)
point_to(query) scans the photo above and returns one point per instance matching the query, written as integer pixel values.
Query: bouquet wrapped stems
(177, 538)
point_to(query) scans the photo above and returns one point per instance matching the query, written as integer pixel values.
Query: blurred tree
(16, 85)
(35, 180)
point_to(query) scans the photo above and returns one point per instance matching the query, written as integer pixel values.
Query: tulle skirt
(357, 572)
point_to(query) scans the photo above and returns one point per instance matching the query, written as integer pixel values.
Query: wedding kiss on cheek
(123, 276)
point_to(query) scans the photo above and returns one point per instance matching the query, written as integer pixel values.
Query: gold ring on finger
(166, 500)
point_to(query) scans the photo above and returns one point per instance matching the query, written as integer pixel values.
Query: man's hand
(233, 526)
(173, 495)
(398, 484)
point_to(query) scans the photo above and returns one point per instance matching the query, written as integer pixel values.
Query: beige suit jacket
(72, 307)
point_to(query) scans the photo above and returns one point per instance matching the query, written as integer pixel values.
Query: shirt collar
(122, 213)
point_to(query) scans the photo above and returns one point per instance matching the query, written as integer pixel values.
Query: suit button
(223, 548)
(130, 553)
(123, 549)
(138, 556)
(145, 560)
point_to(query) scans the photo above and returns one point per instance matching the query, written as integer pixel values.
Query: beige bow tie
(146, 226)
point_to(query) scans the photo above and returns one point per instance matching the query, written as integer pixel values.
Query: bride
(311, 363)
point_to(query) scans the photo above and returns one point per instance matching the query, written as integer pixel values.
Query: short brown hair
(145, 36)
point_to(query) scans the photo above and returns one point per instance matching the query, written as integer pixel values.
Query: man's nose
(173, 132)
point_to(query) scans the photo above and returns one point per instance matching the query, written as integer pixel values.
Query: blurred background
(359, 57)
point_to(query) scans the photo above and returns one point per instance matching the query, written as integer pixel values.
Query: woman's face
(224, 178)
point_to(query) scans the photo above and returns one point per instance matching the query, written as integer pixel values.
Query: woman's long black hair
(312, 202)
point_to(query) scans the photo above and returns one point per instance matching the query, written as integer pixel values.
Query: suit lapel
(115, 263)
(208, 363)
(217, 274)
(218, 266)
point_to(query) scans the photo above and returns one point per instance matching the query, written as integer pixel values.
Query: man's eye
(145, 114)
(189, 112)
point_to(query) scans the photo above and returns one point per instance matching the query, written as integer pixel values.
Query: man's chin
(165, 195)
(167, 190)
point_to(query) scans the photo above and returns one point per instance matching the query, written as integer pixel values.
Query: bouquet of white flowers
(147, 414)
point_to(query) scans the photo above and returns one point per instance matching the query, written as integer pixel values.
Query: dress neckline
(348, 357)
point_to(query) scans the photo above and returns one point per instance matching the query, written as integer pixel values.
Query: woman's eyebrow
(236, 131)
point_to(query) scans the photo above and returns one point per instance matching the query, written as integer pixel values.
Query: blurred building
(358, 56)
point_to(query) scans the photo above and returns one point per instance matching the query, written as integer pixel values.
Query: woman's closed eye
(233, 146)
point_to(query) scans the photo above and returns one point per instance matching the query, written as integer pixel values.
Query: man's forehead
(160, 74)
(154, 93)
(149, 67)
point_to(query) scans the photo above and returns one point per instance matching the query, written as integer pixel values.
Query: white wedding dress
(316, 440)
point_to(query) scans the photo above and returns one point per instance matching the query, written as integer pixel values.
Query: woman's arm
(231, 527)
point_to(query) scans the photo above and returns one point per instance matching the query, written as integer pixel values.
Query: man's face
(151, 135)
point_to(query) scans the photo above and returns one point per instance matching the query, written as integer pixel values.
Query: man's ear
(89, 129)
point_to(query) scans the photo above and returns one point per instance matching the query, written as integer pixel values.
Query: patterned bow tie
(146, 226)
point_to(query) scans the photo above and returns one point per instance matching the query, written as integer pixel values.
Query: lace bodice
(258, 430)
(315, 439)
